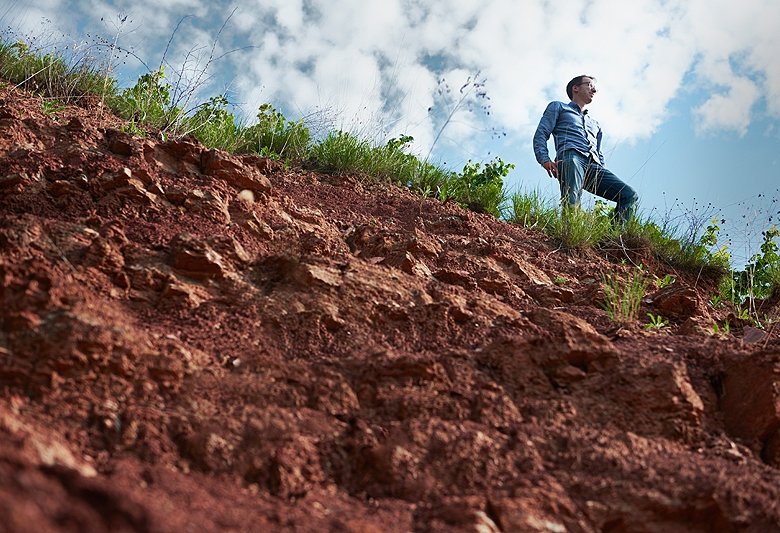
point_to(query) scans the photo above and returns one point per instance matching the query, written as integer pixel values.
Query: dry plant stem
(769, 335)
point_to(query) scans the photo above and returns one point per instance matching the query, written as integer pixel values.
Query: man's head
(578, 83)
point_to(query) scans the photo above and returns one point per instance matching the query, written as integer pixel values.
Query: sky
(688, 90)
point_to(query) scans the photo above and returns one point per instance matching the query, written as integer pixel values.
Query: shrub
(214, 126)
(148, 102)
(761, 276)
(481, 188)
(275, 136)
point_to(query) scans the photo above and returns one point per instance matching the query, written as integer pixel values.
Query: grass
(51, 74)
(622, 298)
(578, 229)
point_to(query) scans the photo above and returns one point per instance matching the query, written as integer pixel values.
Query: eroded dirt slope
(193, 341)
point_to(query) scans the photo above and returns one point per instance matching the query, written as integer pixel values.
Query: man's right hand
(552, 168)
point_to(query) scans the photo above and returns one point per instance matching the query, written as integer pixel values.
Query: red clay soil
(194, 341)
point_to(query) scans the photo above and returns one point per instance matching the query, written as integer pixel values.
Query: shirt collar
(572, 104)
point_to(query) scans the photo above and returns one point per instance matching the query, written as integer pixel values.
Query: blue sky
(689, 90)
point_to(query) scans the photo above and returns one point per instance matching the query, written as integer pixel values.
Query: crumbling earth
(195, 341)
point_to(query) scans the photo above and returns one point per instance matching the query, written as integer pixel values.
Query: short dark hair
(576, 81)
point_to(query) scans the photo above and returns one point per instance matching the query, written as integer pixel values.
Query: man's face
(586, 90)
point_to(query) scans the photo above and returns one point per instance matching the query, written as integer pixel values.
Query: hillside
(194, 341)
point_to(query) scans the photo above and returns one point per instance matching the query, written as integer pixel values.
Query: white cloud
(730, 110)
(378, 60)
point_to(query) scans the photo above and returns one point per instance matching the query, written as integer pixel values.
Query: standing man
(579, 162)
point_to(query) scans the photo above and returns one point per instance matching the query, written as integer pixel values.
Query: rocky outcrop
(193, 340)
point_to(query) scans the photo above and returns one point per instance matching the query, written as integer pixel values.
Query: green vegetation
(50, 74)
(665, 281)
(155, 104)
(761, 276)
(623, 298)
(656, 322)
(272, 136)
(577, 229)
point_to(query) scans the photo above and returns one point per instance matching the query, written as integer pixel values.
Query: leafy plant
(52, 107)
(214, 126)
(481, 188)
(724, 329)
(665, 281)
(622, 299)
(148, 102)
(656, 322)
(340, 151)
(275, 136)
(743, 313)
(51, 73)
(761, 276)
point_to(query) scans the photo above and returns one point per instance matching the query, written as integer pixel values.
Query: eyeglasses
(589, 84)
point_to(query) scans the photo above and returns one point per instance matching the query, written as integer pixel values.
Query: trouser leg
(604, 183)
(571, 176)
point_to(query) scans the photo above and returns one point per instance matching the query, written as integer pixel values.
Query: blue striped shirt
(571, 129)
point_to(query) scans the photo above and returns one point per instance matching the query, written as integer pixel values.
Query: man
(579, 161)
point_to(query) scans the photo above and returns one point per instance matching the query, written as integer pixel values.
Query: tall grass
(622, 298)
(51, 74)
(677, 245)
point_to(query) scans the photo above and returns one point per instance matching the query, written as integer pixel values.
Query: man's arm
(542, 135)
(598, 146)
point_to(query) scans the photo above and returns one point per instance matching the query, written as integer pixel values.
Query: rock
(571, 341)
(655, 398)
(454, 277)
(75, 124)
(42, 448)
(514, 368)
(63, 188)
(751, 397)
(121, 143)
(228, 247)
(753, 335)
(527, 272)
(179, 294)
(308, 275)
(14, 183)
(176, 195)
(406, 262)
(104, 255)
(676, 301)
(195, 258)
(247, 196)
(771, 451)
(528, 515)
(550, 295)
(697, 325)
(223, 166)
(422, 244)
(114, 180)
(208, 203)
(176, 156)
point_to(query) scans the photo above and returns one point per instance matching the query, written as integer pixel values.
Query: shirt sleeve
(543, 132)
(598, 146)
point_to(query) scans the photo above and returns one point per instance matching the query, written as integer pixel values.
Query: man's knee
(629, 195)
